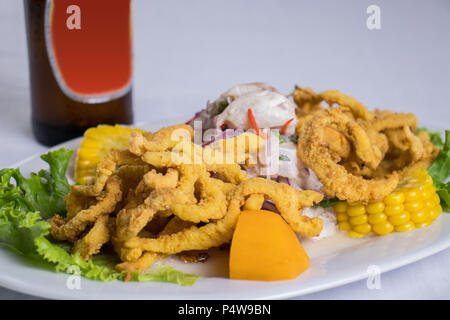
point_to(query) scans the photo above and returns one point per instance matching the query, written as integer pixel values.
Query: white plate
(335, 261)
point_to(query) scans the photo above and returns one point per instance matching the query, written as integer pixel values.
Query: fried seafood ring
(309, 103)
(369, 147)
(91, 243)
(337, 181)
(70, 230)
(336, 97)
(254, 202)
(175, 225)
(143, 263)
(392, 120)
(106, 168)
(288, 200)
(164, 139)
(212, 202)
(130, 221)
(173, 154)
(155, 180)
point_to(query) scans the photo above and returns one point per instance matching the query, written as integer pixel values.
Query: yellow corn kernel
(364, 228)
(98, 142)
(340, 206)
(405, 227)
(341, 216)
(355, 234)
(423, 177)
(412, 194)
(400, 218)
(376, 207)
(377, 218)
(419, 216)
(413, 206)
(420, 174)
(436, 199)
(424, 224)
(392, 210)
(428, 192)
(344, 225)
(435, 212)
(357, 220)
(394, 198)
(428, 204)
(383, 228)
(356, 210)
(356, 203)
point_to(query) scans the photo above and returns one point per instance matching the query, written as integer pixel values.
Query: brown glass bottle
(56, 116)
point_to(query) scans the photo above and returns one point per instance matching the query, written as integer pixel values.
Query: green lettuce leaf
(45, 191)
(440, 171)
(435, 137)
(164, 273)
(23, 229)
(326, 203)
(440, 168)
(444, 194)
(65, 262)
(19, 230)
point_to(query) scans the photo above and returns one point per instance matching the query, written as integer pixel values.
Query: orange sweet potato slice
(265, 248)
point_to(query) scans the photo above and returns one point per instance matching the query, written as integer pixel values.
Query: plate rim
(24, 286)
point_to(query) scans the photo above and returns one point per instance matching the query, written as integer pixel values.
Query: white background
(187, 52)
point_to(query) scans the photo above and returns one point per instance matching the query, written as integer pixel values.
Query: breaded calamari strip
(212, 202)
(336, 97)
(76, 202)
(337, 181)
(105, 169)
(140, 265)
(291, 210)
(91, 243)
(254, 202)
(221, 231)
(389, 120)
(106, 204)
(307, 101)
(175, 225)
(139, 145)
(155, 180)
(131, 221)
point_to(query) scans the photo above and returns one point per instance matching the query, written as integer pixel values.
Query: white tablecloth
(187, 52)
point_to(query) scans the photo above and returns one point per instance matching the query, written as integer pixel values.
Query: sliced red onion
(269, 205)
(218, 176)
(209, 142)
(306, 172)
(196, 115)
(283, 180)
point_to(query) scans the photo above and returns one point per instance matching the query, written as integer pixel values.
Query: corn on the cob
(97, 143)
(414, 204)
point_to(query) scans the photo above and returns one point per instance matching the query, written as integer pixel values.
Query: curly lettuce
(25, 203)
(435, 137)
(440, 171)
(440, 168)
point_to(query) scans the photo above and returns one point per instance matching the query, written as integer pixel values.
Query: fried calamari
(358, 155)
(167, 195)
